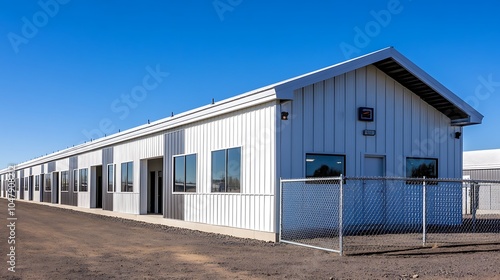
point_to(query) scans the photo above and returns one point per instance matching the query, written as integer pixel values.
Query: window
(64, 181)
(84, 180)
(226, 170)
(111, 178)
(37, 183)
(48, 183)
(75, 180)
(26, 183)
(322, 165)
(420, 167)
(185, 173)
(128, 177)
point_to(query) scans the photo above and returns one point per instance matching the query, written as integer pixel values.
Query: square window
(185, 173)
(64, 181)
(226, 170)
(420, 167)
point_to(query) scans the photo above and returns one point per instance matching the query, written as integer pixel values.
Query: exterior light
(284, 116)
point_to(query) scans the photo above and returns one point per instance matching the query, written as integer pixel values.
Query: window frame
(124, 185)
(114, 178)
(37, 183)
(81, 181)
(436, 167)
(65, 180)
(325, 154)
(26, 183)
(47, 178)
(226, 171)
(185, 156)
(75, 180)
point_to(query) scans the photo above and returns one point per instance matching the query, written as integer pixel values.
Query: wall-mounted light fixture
(458, 134)
(284, 116)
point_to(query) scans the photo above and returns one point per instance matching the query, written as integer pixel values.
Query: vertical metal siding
(174, 203)
(35, 171)
(107, 158)
(21, 184)
(324, 120)
(135, 151)
(254, 130)
(87, 160)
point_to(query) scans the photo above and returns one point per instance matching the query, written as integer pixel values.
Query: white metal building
(217, 168)
(484, 165)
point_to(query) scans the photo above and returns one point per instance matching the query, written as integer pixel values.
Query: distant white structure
(218, 167)
(484, 165)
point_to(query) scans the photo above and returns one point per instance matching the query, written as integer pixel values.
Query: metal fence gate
(363, 215)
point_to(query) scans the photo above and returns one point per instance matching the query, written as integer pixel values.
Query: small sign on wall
(365, 114)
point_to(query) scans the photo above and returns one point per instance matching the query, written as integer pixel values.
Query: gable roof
(401, 69)
(387, 60)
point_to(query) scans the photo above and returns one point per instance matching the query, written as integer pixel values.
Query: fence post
(281, 210)
(474, 205)
(424, 221)
(341, 214)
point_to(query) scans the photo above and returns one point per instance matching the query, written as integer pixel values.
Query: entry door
(152, 192)
(55, 187)
(374, 190)
(160, 192)
(30, 187)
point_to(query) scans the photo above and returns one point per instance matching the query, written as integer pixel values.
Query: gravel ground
(55, 243)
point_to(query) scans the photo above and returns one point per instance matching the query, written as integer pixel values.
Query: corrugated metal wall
(489, 194)
(88, 160)
(323, 119)
(252, 129)
(107, 198)
(134, 151)
(174, 203)
(483, 174)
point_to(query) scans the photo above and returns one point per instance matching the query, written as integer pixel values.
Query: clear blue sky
(65, 66)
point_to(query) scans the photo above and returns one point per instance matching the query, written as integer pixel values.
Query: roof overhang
(402, 70)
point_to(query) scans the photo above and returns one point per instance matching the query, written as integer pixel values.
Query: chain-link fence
(361, 215)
